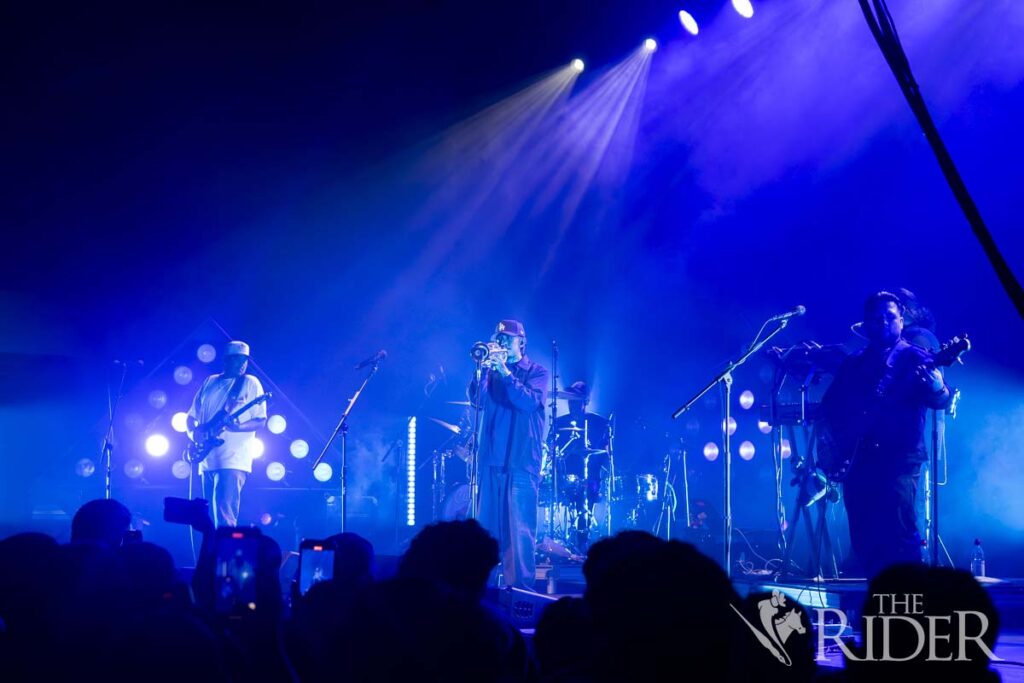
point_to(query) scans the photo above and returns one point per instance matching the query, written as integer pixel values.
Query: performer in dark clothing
(885, 391)
(513, 395)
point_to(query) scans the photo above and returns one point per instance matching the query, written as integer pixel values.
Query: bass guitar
(206, 437)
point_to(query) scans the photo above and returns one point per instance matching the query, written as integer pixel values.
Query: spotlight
(746, 399)
(275, 471)
(276, 424)
(181, 469)
(323, 472)
(157, 399)
(650, 45)
(299, 449)
(266, 518)
(85, 467)
(255, 447)
(746, 450)
(711, 451)
(182, 375)
(577, 65)
(764, 427)
(732, 425)
(688, 22)
(179, 422)
(133, 468)
(787, 448)
(743, 8)
(157, 445)
(206, 353)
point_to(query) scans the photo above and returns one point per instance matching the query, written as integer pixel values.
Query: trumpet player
(512, 395)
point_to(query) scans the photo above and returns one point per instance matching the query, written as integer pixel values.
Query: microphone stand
(107, 449)
(553, 438)
(342, 429)
(478, 423)
(725, 378)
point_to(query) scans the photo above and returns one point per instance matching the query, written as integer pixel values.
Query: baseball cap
(513, 328)
(236, 348)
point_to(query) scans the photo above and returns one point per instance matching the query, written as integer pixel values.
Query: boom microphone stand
(725, 378)
(342, 429)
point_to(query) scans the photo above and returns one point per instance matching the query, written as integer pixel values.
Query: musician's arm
(529, 395)
(257, 415)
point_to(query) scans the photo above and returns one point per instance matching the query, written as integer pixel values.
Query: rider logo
(777, 624)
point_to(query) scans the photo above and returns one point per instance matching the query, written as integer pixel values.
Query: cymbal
(450, 427)
(571, 429)
(459, 403)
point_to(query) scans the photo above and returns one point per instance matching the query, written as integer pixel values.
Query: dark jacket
(881, 393)
(512, 433)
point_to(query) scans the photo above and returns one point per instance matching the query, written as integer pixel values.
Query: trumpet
(496, 353)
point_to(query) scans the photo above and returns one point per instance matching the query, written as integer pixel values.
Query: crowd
(110, 607)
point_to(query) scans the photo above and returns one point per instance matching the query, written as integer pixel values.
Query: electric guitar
(206, 437)
(838, 442)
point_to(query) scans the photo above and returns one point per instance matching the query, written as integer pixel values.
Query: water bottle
(978, 559)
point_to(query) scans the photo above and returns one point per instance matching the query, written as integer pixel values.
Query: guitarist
(226, 466)
(877, 404)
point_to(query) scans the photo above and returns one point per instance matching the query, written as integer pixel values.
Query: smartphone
(235, 570)
(316, 564)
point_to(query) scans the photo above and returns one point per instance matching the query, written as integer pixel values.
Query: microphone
(373, 360)
(798, 311)
(478, 352)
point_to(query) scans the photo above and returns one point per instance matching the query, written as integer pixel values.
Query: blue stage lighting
(157, 445)
(743, 8)
(688, 22)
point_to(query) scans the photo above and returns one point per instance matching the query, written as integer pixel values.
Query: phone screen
(236, 573)
(316, 564)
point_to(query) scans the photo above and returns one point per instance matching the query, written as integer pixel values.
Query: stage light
(577, 65)
(743, 8)
(133, 468)
(275, 471)
(266, 519)
(650, 45)
(85, 467)
(410, 473)
(711, 451)
(764, 427)
(746, 399)
(206, 353)
(276, 424)
(157, 399)
(182, 375)
(746, 450)
(179, 422)
(299, 449)
(181, 469)
(688, 22)
(787, 449)
(255, 447)
(323, 472)
(157, 445)
(732, 425)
